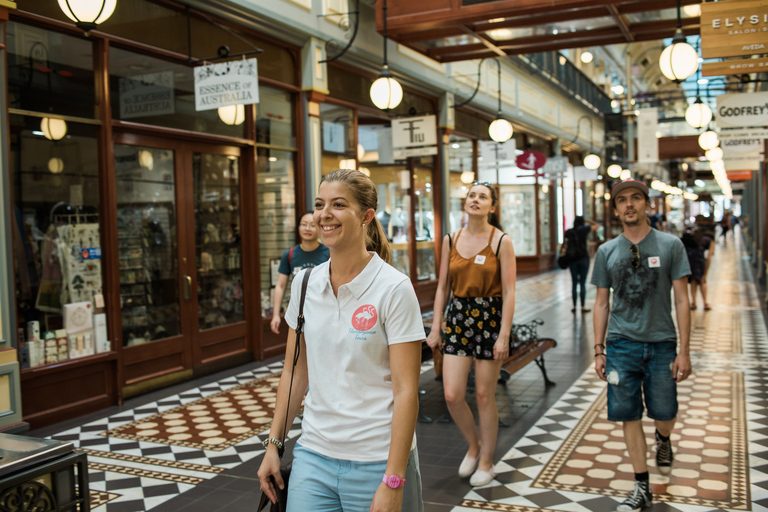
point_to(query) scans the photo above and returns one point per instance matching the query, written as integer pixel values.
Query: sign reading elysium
(734, 28)
(146, 95)
(742, 110)
(226, 83)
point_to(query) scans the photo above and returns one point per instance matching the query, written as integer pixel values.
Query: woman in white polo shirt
(360, 357)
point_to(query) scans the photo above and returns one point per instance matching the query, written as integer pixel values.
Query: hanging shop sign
(742, 109)
(739, 175)
(734, 67)
(556, 167)
(531, 160)
(747, 133)
(647, 142)
(494, 153)
(734, 28)
(742, 154)
(414, 136)
(147, 95)
(581, 173)
(226, 83)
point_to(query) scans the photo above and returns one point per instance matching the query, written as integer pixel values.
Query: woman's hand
(387, 500)
(501, 349)
(270, 466)
(275, 324)
(434, 340)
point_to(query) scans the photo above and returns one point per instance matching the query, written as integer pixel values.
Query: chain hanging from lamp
(88, 14)
(679, 60)
(501, 129)
(386, 92)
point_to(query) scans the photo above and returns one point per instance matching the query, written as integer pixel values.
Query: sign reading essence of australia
(226, 83)
(146, 95)
(736, 28)
(742, 110)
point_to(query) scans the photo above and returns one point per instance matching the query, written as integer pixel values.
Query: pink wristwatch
(393, 481)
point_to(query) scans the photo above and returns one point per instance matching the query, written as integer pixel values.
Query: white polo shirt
(348, 410)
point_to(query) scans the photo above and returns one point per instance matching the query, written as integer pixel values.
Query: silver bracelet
(273, 441)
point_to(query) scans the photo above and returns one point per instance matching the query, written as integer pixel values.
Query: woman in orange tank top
(478, 266)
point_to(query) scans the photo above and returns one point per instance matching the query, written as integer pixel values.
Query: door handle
(187, 287)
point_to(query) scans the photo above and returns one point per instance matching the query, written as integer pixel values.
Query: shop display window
(274, 118)
(49, 72)
(56, 231)
(518, 217)
(153, 91)
(545, 231)
(147, 239)
(337, 129)
(424, 218)
(460, 155)
(277, 217)
(217, 240)
(393, 182)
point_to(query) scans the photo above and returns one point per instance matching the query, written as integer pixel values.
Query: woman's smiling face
(307, 227)
(337, 215)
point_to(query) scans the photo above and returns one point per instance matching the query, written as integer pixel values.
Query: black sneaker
(641, 497)
(664, 455)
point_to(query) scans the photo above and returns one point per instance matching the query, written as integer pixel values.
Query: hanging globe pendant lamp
(88, 14)
(679, 60)
(386, 92)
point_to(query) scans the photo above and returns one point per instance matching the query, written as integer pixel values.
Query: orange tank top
(478, 276)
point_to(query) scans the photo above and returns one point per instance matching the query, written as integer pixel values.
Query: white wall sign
(742, 109)
(410, 132)
(226, 83)
(647, 143)
(493, 153)
(146, 95)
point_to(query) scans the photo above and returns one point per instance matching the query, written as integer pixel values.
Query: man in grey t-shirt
(639, 357)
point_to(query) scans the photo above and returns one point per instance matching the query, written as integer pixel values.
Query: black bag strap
(299, 331)
(498, 247)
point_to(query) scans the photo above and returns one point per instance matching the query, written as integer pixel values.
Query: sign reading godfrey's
(226, 83)
(734, 28)
(414, 136)
(742, 110)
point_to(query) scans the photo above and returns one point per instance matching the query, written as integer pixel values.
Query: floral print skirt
(472, 326)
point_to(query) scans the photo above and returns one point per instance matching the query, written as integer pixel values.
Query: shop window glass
(277, 217)
(424, 218)
(147, 238)
(153, 91)
(460, 157)
(518, 217)
(49, 72)
(545, 188)
(56, 241)
(337, 133)
(274, 118)
(164, 26)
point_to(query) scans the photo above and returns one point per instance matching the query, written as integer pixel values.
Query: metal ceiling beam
(622, 22)
(486, 41)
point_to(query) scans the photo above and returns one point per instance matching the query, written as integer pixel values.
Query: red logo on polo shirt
(364, 318)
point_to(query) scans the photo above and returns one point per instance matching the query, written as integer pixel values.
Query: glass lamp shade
(500, 130)
(614, 171)
(694, 10)
(679, 60)
(386, 92)
(87, 14)
(625, 174)
(53, 129)
(587, 57)
(656, 185)
(467, 177)
(56, 165)
(232, 114)
(708, 140)
(714, 154)
(698, 114)
(592, 161)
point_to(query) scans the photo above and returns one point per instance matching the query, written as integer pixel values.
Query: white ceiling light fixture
(708, 140)
(618, 89)
(679, 60)
(87, 14)
(614, 170)
(587, 57)
(53, 129)
(386, 92)
(698, 114)
(592, 161)
(232, 114)
(500, 130)
(56, 165)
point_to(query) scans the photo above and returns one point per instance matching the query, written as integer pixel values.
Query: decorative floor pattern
(215, 422)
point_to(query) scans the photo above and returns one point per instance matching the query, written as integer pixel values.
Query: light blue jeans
(322, 484)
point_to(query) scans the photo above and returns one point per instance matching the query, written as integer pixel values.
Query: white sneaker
(467, 466)
(481, 477)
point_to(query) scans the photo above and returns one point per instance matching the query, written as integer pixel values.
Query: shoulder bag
(285, 471)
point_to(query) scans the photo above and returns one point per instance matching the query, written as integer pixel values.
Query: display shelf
(31, 373)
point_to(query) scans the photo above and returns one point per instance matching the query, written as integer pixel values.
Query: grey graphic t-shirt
(642, 303)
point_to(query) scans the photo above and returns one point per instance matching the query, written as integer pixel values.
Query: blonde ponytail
(376, 240)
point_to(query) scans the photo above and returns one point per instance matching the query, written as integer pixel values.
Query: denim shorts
(322, 484)
(634, 369)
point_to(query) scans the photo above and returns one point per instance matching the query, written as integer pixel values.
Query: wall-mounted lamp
(679, 60)
(386, 92)
(53, 129)
(232, 114)
(87, 14)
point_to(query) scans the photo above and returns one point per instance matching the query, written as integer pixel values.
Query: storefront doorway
(181, 288)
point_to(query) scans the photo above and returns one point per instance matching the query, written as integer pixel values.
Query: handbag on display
(285, 471)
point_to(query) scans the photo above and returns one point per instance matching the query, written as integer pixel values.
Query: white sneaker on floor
(481, 477)
(467, 466)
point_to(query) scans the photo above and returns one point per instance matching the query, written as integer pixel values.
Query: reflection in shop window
(460, 157)
(338, 138)
(424, 218)
(544, 216)
(518, 217)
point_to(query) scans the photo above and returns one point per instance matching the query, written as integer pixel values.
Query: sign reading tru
(734, 28)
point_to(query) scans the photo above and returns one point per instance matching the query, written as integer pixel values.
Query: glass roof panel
(501, 34)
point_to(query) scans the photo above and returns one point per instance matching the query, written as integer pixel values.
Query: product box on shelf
(51, 350)
(61, 345)
(33, 330)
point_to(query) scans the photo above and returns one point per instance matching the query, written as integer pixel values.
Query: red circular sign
(364, 318)
(531, 160)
